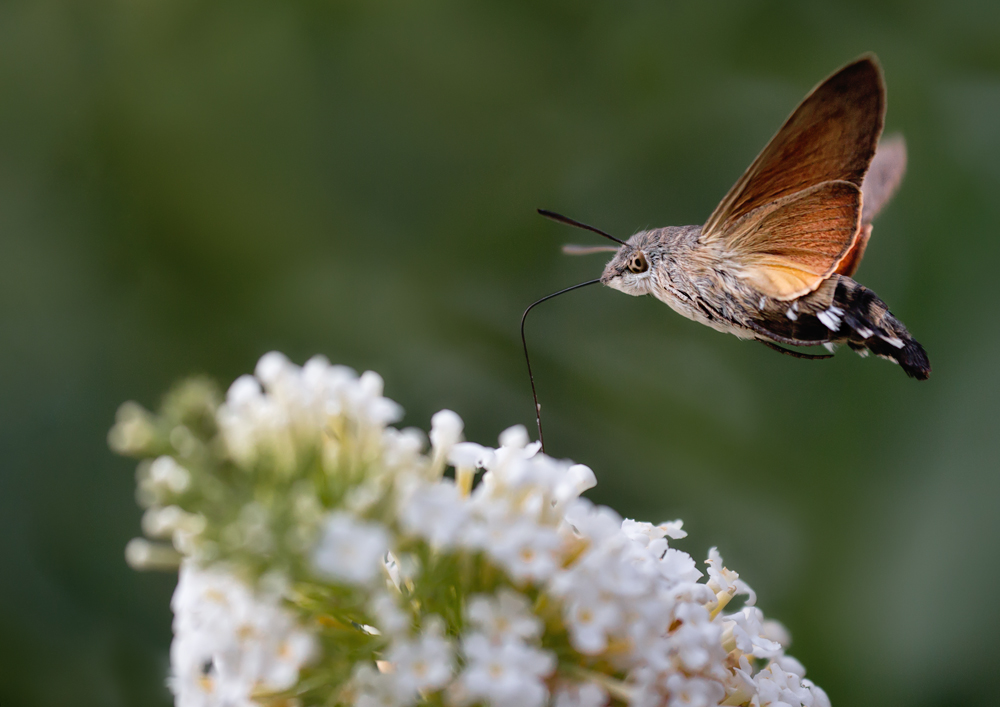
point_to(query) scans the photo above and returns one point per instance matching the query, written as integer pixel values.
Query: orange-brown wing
(849, 265)
(831, 136)
(787, 248)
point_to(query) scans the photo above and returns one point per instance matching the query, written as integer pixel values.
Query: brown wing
(787, 248)
(849, 265)
(831, 136)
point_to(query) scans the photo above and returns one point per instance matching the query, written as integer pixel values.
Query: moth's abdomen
(868, 325)
(843, 311)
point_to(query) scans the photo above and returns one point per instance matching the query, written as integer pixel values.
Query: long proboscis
(527, 360)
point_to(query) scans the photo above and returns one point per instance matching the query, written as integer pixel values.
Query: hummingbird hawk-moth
(774, 262)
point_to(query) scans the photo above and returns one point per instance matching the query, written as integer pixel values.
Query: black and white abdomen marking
(843, 311)
(870, 326)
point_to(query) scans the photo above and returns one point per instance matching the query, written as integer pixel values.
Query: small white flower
(350, 550)
(436, 512)
(647, 620)
(424, 664)
(133, 429)
(782, 684)
(637, 530)
(780, 688)
(586, 695)
(819, 696)
(724, 580)
(596, 523)
(373, 688)
(677, 566)
(697, 642)
(643, 687)
(725, 583)
(775, 631)
(371, 407)
(507, 674)
(470, 455)
(140, 554)
(446, 432)
(515, 437)
(789, 664)
(641, 532)
(674, 529)
(401, 448)
(718, 575)
(744, 631)
(526, 550)
(244, 392)
(740, 685)
(164, 522)
(589, 621)
(693, 692)
(166, 476)
(272, 367)
(508, 615)
(614, 570)
(577, 479)
(466, 457)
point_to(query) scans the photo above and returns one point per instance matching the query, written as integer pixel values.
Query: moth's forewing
(796, 212)
(786, 249)
(831, 136)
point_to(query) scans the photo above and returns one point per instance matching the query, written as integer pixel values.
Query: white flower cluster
(230, 643)
(403, 585)
(300, 406)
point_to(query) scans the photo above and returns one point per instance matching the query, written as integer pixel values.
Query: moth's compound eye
(637, 263)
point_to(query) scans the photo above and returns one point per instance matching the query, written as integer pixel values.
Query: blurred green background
(186, 185)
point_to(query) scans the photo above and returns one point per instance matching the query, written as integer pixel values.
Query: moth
(774, 262)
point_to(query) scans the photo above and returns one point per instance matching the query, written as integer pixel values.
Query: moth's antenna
(524, 342)
(570, 222)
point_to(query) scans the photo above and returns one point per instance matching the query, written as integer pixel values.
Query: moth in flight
(774, 262)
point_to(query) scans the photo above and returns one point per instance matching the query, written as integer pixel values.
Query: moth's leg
(794, 354)
(762, 332)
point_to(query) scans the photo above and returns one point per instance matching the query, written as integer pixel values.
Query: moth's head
(630, 271)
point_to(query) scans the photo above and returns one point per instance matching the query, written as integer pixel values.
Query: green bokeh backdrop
(186, 185)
